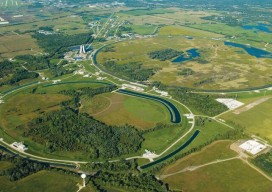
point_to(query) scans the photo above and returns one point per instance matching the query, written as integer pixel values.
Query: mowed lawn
(257, 120)
(227, 176)
(43, 181)
(117, 109)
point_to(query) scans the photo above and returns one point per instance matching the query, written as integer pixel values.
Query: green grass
(224, 177)
(4, 165)
(208, 132)
(139, 12)
(221, 177)
(256, 121)
(117, 109)
(43, 181)
(214, 151)
(143, 29)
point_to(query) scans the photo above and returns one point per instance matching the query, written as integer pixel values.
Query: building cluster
(19, 146)
(46, 32)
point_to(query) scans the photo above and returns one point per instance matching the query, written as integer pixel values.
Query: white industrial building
(230, 103)
(133, 87)
(253, 147)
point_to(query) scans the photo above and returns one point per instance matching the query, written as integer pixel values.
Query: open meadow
(222, 176)
(214, 69)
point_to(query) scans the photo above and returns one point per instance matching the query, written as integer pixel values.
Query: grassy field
(44, 181)
(219, 72)
(167, 17)
(221, 177)
(116, 109)
(256, 120)
(138, 12)
(12, 45)
(159, 142)
(176, 30)
(224, 177)
(216, 150)
(143, 29)
(63, 22)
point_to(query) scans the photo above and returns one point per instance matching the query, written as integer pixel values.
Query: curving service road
(175, 115)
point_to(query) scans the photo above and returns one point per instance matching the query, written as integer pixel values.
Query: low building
(230, 103)
(253, 147)
(19, 146)
(133, 87)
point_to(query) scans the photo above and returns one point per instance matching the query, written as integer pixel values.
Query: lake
(258, 53)
(260, 27)
(190, 54)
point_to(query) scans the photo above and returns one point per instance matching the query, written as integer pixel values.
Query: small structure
(56, 81)
(163, 93)
(83, 176)
(133, 87)
(149, 155)
(19, 146)
(252, 146)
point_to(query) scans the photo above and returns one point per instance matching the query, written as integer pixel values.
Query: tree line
(131, 70)
(164, 54)
(21, 167)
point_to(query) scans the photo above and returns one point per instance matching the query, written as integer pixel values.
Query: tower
(83, 176)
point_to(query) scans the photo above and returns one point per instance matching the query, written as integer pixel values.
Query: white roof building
(253, 147)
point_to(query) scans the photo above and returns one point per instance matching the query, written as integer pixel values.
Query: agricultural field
(219, 176)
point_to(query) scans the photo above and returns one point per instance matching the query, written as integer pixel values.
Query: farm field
(219, 177)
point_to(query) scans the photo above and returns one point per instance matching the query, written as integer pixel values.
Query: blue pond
(258, 53)
(191, 54)
(260, 27)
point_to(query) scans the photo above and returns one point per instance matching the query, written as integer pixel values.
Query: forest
(264, 161)
(131, 70)
(68, 130)
(22, 167)
(164, 54)
(205, 104)
(130, 182)
(57, 44)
